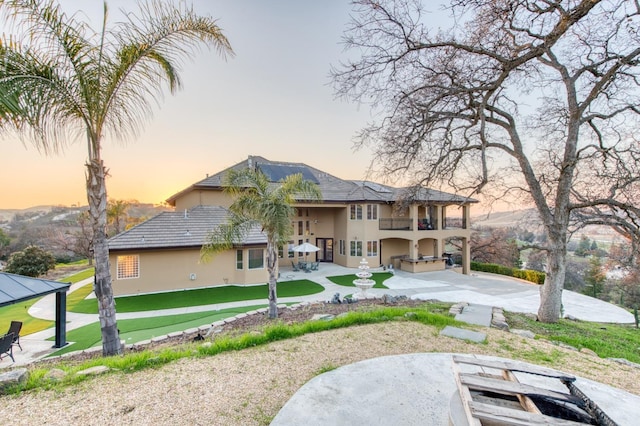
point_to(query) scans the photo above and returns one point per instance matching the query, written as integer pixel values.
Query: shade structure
(306, 248)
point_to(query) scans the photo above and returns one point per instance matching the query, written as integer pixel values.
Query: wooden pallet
(497, 399)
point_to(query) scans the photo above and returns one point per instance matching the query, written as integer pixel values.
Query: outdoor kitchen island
(423, 264)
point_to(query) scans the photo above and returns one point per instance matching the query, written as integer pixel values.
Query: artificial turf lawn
(347, 280)
(139, 329)
(199, 297)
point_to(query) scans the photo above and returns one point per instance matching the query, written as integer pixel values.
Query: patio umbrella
(306, 248)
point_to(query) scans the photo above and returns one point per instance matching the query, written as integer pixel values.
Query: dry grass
(249, 387)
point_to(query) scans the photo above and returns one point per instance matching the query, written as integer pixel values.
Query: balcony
(395, 224)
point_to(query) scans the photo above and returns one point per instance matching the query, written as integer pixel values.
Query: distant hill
(53, 216)
(526, 219)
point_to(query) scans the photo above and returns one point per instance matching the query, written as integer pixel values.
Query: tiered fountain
(364, 282)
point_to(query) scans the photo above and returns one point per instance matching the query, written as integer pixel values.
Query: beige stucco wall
(202, 198)
(156, 275)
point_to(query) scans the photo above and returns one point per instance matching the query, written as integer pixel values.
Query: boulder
(13, 377)
(523, 333)
(93, 371)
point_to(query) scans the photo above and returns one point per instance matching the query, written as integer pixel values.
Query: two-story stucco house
(354, 220)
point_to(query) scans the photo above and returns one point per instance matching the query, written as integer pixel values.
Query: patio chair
(6, 346)
(294, 266)
(314, 266)
(15, 328)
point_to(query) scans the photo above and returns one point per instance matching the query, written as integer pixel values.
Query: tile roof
(178, 229)
(333, 189)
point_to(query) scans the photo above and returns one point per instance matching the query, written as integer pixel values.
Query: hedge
(535, 277)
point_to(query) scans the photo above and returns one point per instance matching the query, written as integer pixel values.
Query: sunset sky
(272, 99)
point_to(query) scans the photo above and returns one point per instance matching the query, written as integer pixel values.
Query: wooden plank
(507, 416)
(512, 366)
(525, 401)
(504, 387)
(465, 396)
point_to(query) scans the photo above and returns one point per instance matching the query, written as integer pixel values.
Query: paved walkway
(448, 286)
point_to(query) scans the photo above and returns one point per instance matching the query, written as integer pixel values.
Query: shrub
(535, 277)
(33, 261)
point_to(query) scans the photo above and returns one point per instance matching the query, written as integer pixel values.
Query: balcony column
(466, 216)
(413, 249)
(437, 247)
(439, 209)
(413, 214)
(466, 257)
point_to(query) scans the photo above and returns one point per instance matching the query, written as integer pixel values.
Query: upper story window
(128, 266)
(372, 212)
(355, 212)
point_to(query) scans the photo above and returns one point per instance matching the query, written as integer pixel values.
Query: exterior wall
(202, 198)
(170, 270)
(330, 221)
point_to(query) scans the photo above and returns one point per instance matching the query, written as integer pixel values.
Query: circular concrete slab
(414, 389)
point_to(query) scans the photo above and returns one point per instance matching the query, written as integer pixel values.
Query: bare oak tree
(516, 97)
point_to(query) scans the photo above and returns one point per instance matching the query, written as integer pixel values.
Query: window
(239, 263)
(308, 229)
(372, 212)
(128, 266)
(290, 249)
(256, 258)
(355, 212)
(372, 248)
(355, 248)
(341, 247)
(300, 254)
(300, 230)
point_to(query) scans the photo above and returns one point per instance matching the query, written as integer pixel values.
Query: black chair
(15, 328)
(6, 346)
(294, 266)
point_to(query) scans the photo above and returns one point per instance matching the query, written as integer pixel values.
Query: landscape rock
(532, 317)
(93, 371)
(13, 377)
(523, 333)
(55, 375)
(588, 352)
(624, 362)
(322, 317)
(500, 325)
(566, 346)
(457, 308)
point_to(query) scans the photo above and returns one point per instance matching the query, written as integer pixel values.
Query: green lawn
(607, 340)
(199, 297)
(347, 280)
(139, 329)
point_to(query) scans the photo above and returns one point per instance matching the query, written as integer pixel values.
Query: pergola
(18, 288)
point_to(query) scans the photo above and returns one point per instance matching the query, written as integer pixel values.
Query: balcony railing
(455, 223)
(395, 224)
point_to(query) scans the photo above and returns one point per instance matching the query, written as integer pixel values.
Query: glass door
(325, 254)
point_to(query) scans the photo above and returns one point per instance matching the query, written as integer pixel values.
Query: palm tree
(258, 202)
(61, 80)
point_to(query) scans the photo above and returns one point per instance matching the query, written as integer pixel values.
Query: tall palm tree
(258, 202)
(60, 80)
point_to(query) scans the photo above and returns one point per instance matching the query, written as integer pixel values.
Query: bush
(535, 277)
(33, 261)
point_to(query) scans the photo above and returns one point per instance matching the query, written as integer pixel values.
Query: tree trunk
(97, 196)
(272, 257)
(550, 309)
